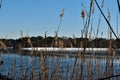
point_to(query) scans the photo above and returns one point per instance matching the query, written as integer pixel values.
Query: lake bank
(71, 52)
(88, 51)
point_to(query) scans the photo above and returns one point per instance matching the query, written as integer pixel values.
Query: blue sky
(35, 17)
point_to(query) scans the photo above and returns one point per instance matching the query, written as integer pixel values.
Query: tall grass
(83, 66)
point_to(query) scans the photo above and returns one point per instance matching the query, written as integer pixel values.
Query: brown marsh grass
(81, 68)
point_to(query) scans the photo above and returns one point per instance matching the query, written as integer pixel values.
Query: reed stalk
(112, 62)
(56, 32)
(75, 63)
(55, 70)
(30, 43)
(74, 40)
(98, 69)
(21, 58)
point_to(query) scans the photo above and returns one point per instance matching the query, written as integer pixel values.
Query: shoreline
(55, 49)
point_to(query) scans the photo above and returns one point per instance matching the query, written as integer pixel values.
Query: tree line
(60, 42)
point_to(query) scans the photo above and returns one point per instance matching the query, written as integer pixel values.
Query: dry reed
(74, 40)
(30, 43)
(78, 71)
(3, 46)
(102, 4)
(41, 60)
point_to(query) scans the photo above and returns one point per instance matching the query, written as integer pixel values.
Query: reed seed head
(29, 42)
(102, 4)
(3, 46)
(62, 13)
(93, 10)
(92, 6)
(92, 3)
(108, 15)
(74, 39)
(83, 14)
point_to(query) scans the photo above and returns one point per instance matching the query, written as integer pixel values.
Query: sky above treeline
(35, 17)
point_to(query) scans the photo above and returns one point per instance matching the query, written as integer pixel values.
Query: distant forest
(61, 42)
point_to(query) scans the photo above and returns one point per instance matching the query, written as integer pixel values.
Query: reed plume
(93, 10)
(74, 40)
(108, 15)
(56, 32)
(92, 6)
(45, 43)
(61, 44)
(92, 3)
(83, 14)
(61, 16)
(30, 43)
(3, 46)
(102, 4)
(56, 39)
(62, 13)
